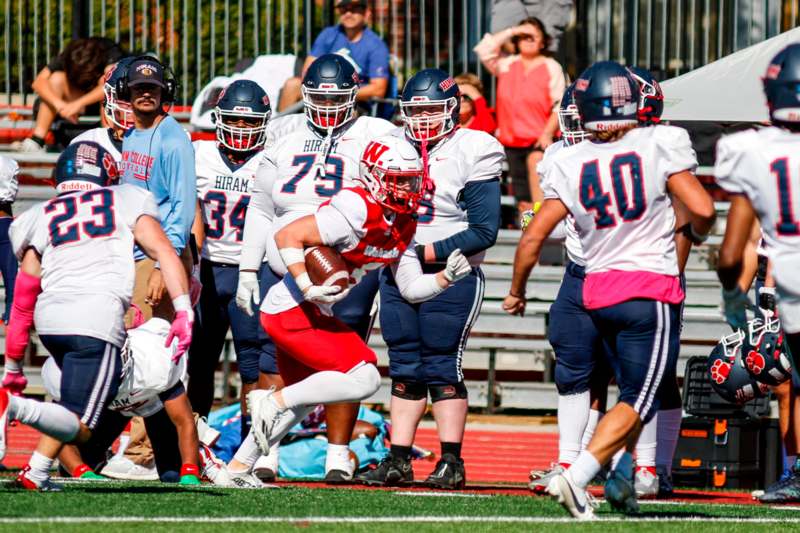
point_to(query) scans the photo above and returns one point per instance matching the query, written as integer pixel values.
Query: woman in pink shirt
(529, 87)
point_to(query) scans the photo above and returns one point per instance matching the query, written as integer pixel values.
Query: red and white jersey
(103, 137)
(617, 194)
(85, 240)
(764, 165)
(355, 225)
(223, 190)
(462, 157)
(290, 184)
(572, 242)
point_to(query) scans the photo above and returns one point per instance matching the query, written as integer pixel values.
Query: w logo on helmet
(373, 152)
(720, 371)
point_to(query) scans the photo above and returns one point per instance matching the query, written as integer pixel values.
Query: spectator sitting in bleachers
(474, 113)
(68, 85)
(353, 39)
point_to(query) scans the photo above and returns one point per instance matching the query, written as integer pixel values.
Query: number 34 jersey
(85, 240)
(764, 165)
(223, 190)
(617, 194)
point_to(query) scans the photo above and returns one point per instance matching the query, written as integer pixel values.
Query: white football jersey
(572, 242)
(464, 156)
(617, 193)
(289, 183)
(103, 137)
(9, 179)
(223, 190)
(764, 165)
(86, 242)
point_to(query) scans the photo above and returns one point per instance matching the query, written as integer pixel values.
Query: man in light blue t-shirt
(353, 39)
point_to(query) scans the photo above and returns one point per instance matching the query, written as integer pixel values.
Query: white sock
(669, 429)
(40, 468)
(338, 457)
(51, 419)
(646, 446)
(248, 452)
(573, 416)
(584, 469)
(333, 387)
(591, 425)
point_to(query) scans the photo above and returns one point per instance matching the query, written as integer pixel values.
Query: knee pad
(409, 391)
(455, 391)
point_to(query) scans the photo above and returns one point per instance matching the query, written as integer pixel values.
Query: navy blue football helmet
(117, 111)
(782, 85)
(430, 104)
(727, 372)
(651, 97)
(607, 97)
(569, 120)
(84, 163)
(241, 116)
(329, 91)
(768, 360)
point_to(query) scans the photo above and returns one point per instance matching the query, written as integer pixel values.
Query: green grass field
(111, 506)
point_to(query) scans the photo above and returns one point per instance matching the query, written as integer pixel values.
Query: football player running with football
(617, 185)
(75, 283)
(299, 172)
(321, 359)
(761, 172)
(426, 341)
(226, 169)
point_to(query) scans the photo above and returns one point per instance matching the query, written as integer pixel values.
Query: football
(326, 267)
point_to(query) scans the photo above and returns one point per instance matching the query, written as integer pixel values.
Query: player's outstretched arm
(26, 288)
(417, 287)
(552, 212)
(292, 240)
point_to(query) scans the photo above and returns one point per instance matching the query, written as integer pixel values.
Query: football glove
(247, 292)
(457, 267)
(325, 295)
(14, 378)
(735, 304)
(181, 329)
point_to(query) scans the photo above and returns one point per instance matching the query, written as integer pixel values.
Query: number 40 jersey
(85, 240)
(223, 190)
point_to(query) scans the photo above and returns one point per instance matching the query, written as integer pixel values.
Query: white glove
(248, 292)
(457, 267)
(324, 294)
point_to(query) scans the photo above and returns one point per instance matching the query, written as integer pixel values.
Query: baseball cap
(351, 3)
(146, 71)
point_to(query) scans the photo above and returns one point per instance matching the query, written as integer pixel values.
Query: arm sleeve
(260, 212)
(378, 61)
(322, 42)
(414, 286)
(179, 174)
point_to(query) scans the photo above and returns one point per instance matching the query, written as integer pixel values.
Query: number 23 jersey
(764, 166)
(85, 240)
(617, 194)
(223, 190)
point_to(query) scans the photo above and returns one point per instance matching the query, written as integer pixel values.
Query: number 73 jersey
(617, 193)
(223, 190)
(764, 165)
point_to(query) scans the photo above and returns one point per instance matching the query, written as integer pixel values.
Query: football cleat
(577, 501)
(245, 480)
(539, 479)
(665, 487)
(785, 490)
(264, 414)
(448, 474)
(123, 468)
(266, 467)
(4, 400)
(24, 482)
(211, 467)
(645, 482)
(390, 471)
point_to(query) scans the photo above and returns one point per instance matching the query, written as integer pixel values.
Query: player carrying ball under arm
(77, 272)
(617, 186)
(319, 357)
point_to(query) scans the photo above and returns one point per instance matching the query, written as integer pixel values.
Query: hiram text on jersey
(232, 183)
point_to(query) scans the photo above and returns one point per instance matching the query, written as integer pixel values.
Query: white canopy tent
(727, 90)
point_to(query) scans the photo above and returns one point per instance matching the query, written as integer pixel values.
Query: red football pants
(308, 341)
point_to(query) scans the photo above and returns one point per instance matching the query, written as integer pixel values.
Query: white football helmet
(392, 171)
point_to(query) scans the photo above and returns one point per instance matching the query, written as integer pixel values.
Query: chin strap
(428, 187)
(321, 163)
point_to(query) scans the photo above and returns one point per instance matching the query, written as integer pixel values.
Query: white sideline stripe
(384, 519)
(441, 494)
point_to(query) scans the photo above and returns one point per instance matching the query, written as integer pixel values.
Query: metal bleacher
(508, 361)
